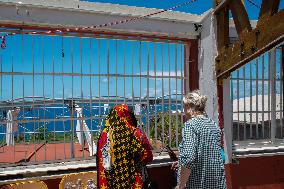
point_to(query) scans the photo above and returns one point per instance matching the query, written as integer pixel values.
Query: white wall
(208, 81)
(72, 14)
(207, 54)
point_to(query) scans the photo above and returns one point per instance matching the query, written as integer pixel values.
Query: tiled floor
(40, 152)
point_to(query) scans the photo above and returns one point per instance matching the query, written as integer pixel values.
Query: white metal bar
(72, 108)
(116, 65)
(23, 85)
(132, 71)
(232, 99)
(238, 101)
(250, 99)
(91, 93)
(256, 97)
(170, 104)
(245, 122)
(264, 111)
(33, 92)
(43, 93)
(38, 124)
(272, 63)
(124, 71)
(182, 80)
(99, 69)
(227, 107)
(262, 123)
(63, 119)
(56, 101)
(108, 71)
(146, 38)
(155, 72)
(269, 94)
(246, 79)
(278, 132)
(176, 103)
(148, 86)
(1, 77)
(72, 93)
(53, 90)
(88, 75)
(140, 79)
(281, 88)
(63, 101)
(163, 96)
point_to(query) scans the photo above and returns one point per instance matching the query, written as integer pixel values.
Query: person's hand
(157, 145)
(175, 166)
(177, 187)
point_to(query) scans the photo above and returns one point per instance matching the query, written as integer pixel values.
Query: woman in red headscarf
(123, 150)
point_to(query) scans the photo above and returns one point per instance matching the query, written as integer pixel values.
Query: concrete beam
(72, 14)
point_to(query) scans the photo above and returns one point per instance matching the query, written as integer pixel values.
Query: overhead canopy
(74, 14)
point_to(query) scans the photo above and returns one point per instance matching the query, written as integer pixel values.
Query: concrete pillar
(206, 67)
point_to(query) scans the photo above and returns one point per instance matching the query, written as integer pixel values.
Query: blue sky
(197, 7)
(43, 54)
(47, 50)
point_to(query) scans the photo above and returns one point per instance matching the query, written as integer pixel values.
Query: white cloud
(104, 80)
(161, 74)
(245, 87)
(176, 91)
(152, 92)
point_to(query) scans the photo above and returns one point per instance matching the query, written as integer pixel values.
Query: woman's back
(121, 151)
(208, 169)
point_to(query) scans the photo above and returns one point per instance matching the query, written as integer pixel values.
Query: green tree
(40, 135)
(169, 126)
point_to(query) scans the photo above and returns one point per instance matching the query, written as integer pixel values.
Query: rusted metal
(98, 33)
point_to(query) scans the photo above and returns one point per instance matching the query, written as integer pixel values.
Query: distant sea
(60, 111)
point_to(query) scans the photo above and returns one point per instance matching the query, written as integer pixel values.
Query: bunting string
(3, 37)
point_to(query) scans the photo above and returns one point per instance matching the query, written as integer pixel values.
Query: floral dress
(123, 150)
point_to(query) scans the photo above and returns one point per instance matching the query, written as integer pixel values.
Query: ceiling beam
(266, 35)
(240, 16)
(220, 5)
(223, 29)
(66, 14)
(268, 8)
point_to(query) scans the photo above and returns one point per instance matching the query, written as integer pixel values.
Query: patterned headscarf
(120, 151)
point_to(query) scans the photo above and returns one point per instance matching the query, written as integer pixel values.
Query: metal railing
(257, 98)
(43, 77)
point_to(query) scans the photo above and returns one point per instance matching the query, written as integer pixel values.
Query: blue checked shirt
(199, 151)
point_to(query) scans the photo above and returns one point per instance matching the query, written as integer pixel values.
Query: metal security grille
(55, 91)
(257, 98)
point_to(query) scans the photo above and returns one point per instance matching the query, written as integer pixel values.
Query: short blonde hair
(195, 101)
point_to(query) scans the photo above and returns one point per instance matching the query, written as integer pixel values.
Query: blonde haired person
(200, 164)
